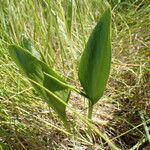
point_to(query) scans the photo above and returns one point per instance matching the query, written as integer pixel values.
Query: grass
(59, 31)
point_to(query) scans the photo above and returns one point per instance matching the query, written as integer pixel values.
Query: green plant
(93, 73)
(95, 62)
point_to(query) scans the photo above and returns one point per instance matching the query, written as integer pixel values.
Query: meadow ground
(59, 30)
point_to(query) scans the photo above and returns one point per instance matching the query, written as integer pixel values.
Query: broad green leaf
(53, 84)
(94, 67)
(27, 44)
(53, 100)
(39, 72)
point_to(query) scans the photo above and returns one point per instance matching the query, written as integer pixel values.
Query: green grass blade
(69, 15)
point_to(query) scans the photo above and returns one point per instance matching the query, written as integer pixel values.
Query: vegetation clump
(44, 38)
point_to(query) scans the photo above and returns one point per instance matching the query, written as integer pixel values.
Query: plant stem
(90, 110)
(66, 125)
